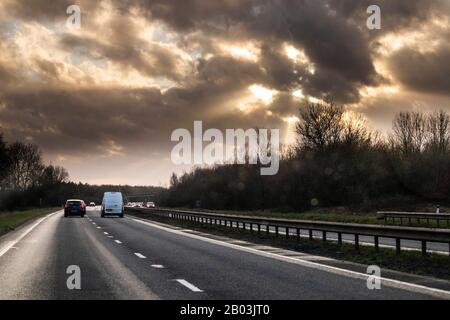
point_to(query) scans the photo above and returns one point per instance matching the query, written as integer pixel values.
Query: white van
(112, 204)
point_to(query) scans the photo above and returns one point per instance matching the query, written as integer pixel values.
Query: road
(132, 259)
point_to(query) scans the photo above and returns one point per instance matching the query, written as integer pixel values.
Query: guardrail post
(424, 248)
(276, 231)
(251, 227)
(340, 239)
(357, 242)
(398, 246)
(324, 236)
(267, 229)
(377, 243)
(287, 232)
(298, 234)
(259, 228)
(310, 234)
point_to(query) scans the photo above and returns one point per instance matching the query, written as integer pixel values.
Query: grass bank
(9, 220)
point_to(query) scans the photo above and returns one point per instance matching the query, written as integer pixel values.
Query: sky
(103, 99)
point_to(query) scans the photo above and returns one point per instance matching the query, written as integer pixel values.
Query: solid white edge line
(140, 255)
(12, 243)
(358, 275)
(188, 285)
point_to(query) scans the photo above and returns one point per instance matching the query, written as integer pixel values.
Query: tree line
(24, 176)
(338, 160)
(26, 182)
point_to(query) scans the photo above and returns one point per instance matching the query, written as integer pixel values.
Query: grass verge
(9, 220)
(434, 265)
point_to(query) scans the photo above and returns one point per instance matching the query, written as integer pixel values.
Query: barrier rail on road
(262, 224)
(413, 216)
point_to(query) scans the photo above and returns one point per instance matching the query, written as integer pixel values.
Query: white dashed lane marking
(106, 233)
(188, 285)
(158, 266)
(140, 255)
(118, 241)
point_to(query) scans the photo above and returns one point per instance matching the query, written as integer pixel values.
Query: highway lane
(128, 259)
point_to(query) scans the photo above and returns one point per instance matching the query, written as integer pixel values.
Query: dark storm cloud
(7, 75)
(330, 41)
(328, 83)
(280, 72)
(427, 72)
(124, 47)
(229, 72)
(395, 14)
(189, 14)
(284, 105)
(78, 121)
(46, 10)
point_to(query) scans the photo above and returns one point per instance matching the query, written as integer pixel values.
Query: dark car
(74, 207)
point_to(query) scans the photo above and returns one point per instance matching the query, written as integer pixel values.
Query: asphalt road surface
(131, 259)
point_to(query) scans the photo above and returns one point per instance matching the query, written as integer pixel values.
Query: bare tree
(438, 132)
(4, 160)
(409, 132)
(26, 165)
(320, 125)
(52, 175)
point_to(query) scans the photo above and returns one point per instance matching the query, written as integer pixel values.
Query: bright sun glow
(299, 56)
(247, 52)
(314, 100)
(298, 94)
(263, 94)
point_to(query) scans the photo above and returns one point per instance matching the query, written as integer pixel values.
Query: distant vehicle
(150, 204)
(74, 207)
(112, 204)
(92, 204)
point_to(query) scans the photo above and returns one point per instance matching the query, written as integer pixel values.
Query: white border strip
(23, 235)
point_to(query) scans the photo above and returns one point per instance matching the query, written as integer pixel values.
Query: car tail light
(65, 206)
